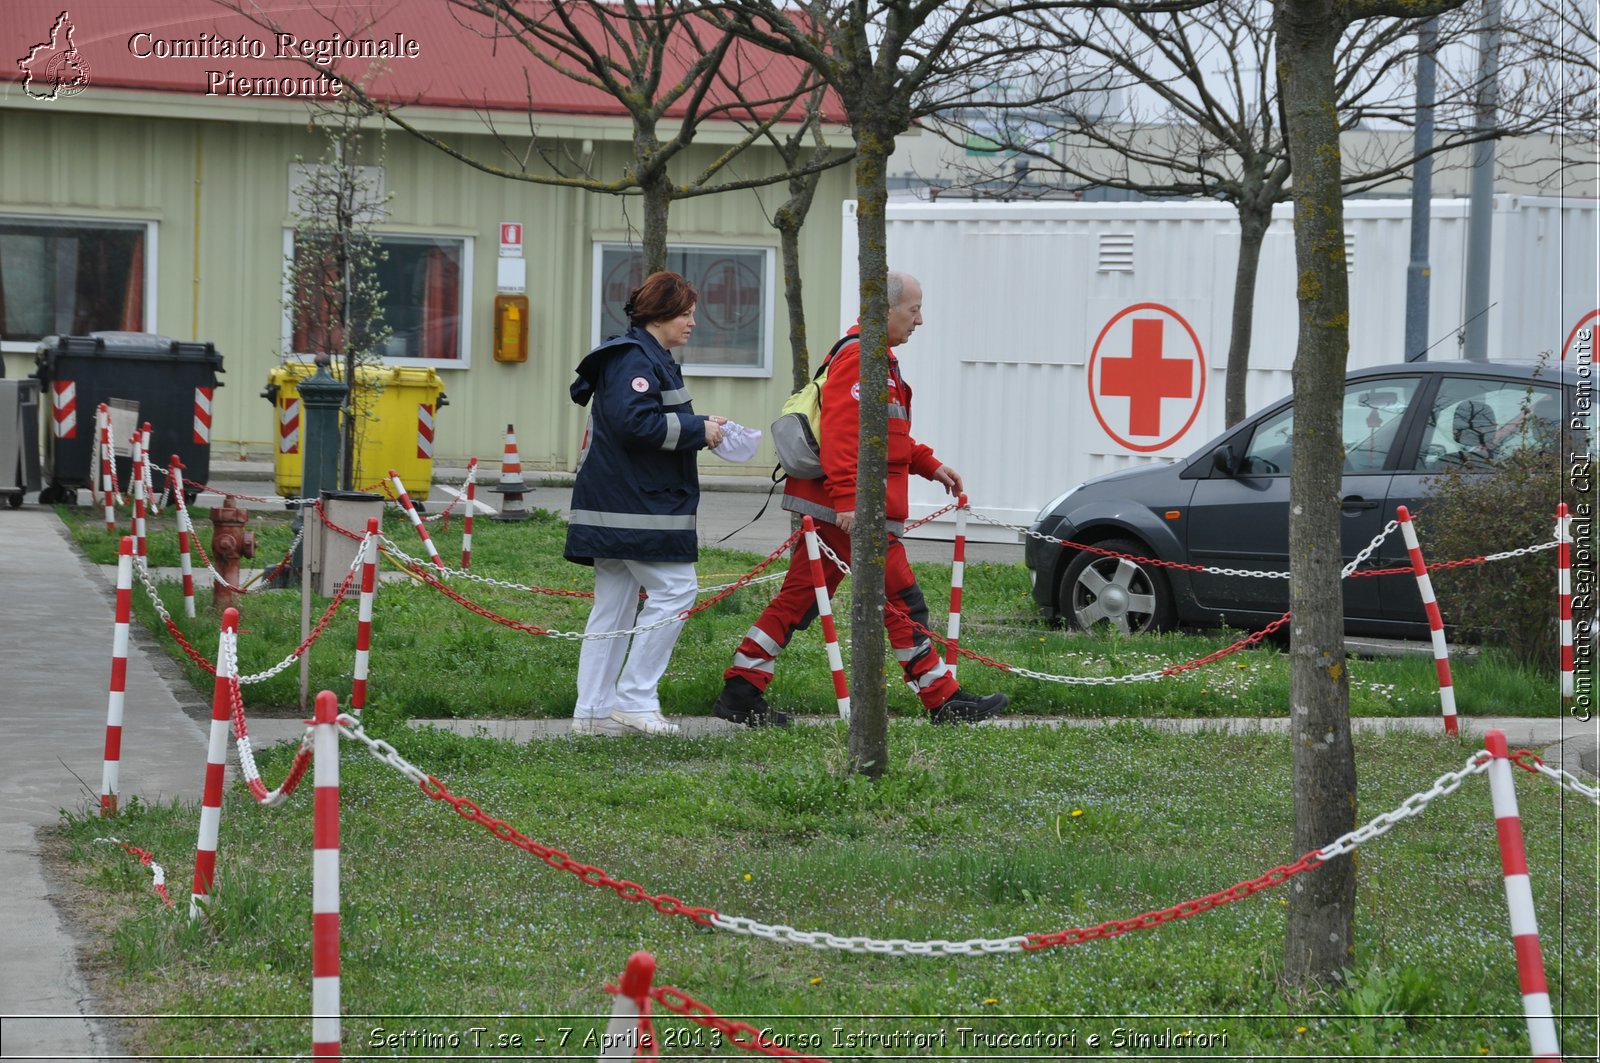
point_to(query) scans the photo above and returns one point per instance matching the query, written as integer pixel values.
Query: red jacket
(835, 491)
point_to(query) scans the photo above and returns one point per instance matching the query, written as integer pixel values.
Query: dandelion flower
(990, 1001)
(816, 981)
(1299, 1029)
(747, 876)
(1077, 812)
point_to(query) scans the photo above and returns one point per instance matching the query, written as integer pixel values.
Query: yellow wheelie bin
(394, 408)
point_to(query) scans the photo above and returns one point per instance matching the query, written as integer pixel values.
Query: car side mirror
(1224, 461)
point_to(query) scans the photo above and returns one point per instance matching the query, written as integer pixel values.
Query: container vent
(1116, 253)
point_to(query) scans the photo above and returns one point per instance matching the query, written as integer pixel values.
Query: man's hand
(714, 431)
(951, 479)
(845, 520)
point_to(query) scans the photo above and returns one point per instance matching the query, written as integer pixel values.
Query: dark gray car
(1227, 505)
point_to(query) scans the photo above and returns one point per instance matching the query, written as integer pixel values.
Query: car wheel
(1101, 589)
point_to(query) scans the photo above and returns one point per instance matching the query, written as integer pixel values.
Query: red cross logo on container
(1148, 397)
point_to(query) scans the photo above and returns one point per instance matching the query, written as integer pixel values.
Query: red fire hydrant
(229, 543)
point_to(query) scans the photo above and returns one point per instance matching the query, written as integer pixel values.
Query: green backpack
(795, 432)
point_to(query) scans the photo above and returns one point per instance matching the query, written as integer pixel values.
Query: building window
(66, 277)
(733, 320)
(424, 280)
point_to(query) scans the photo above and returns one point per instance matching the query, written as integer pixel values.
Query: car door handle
(1356, 502)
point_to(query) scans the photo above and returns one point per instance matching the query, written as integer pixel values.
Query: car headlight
(1054, 502)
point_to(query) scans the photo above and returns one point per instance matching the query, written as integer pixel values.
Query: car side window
(1476, 424)
(1373, 413)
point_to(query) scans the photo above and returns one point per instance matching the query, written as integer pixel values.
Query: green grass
(972, 833)
(433, 659)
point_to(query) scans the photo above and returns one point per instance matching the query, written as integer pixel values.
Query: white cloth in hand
(738, 442)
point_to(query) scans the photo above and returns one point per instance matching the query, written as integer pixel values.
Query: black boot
(963, 707)
(740, 702)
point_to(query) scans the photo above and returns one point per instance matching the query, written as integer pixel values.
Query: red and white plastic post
(152, 497)
(369, 588)
(119, 679)
(108, 488)
(830, 635)
(1564, 590)
(205, 853)
(325, 880)
(416, 521)
(958, 571)
(1441, 651)
(185, 530)
(1519, 899)
(466, 521)
(624, 1039)
(137, 486)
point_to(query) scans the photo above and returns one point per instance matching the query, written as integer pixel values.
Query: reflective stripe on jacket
(637, 489)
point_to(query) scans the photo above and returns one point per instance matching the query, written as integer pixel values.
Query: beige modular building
(147, 157)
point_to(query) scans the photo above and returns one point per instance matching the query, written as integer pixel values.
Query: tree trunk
(1254, 219)
(788, 220)
(869, 707)
(657, 202)
(1320, 941)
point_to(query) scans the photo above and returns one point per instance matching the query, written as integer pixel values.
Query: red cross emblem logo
(1583, 352)
(1147, 399)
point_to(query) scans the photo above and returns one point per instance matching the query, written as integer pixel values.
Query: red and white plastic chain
(970, 654)
(265, 577)
(241, 737)
(385, 753)
(316, 632)
(1156, 562)
(421, 573)
(158, 874)
(669, 905)
(1531, 762)
(739, 1034)
(456, 497)
(173, 629)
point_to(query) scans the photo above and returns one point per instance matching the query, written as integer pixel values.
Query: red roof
(442, 56)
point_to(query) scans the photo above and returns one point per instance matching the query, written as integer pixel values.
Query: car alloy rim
(1114, 590)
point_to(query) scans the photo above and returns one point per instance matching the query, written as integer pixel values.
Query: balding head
(905, 306)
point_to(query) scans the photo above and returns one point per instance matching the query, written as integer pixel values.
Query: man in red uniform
(831, 501)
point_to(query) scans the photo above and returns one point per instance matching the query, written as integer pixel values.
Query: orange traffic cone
(511, 486)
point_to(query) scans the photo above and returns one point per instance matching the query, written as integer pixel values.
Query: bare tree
(670, 70)
(331, 287)
(890, 63)
(1215, 128)
(1319, 943)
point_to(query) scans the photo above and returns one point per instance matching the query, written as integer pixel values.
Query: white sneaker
(596, 725)
(650, 723)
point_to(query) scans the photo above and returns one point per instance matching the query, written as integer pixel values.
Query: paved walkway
(56, 615)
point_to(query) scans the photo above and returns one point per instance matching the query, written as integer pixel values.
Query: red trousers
(795, 608)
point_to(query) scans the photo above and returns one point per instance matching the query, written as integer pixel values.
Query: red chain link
(588, 873)
(935, 515)
(302, 758)
(146, 858)
(194, 655)
(739, 1034)
(429, 578)
(1117, 927)
(1527, 760)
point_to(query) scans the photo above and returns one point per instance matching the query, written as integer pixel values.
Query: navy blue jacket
(638, 487)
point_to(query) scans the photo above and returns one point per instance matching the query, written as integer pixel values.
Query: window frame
(769, 257)
(152, 249)
(463, 331)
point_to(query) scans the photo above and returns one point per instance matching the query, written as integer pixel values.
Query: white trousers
(621, 674)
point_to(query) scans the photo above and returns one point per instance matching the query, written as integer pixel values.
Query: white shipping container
(1067, 340)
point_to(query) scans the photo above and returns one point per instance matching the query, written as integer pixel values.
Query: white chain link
(261, 677)
(1412, 806)
(1522, 550)
(1030, 533)
(350, 727)
(459, 498)
(228, 655)
(142, 570)
(1366, 552)
(152, 503)
(157, 872)
(576, 636)
(788, 935)
(1568, 781)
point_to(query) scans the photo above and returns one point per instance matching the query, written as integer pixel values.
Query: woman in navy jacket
(633, 507)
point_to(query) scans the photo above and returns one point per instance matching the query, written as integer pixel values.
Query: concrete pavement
(56, 616)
